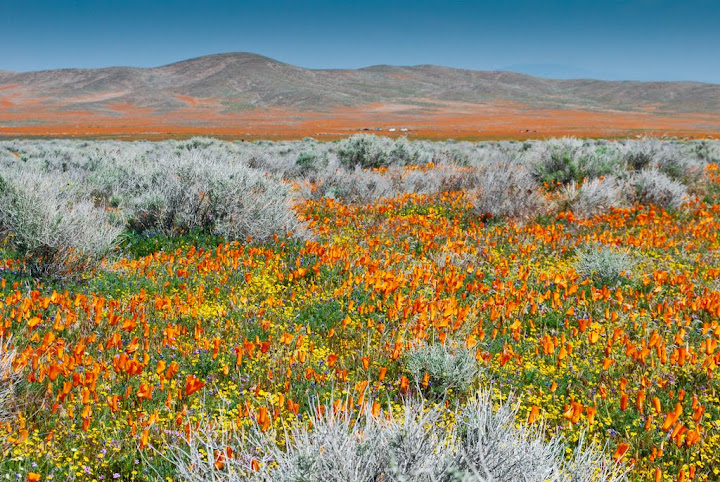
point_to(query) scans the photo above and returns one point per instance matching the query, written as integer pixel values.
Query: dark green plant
(446, 369)
(638, 160)
(306, 162)
(558, 168)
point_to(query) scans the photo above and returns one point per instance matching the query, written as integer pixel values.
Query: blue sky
(608, 39)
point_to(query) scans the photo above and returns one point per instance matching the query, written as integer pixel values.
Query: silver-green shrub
(211, 195)
(506, 191)
(595, 196)
(554, 162)
(478, 442)
(356, 186)
(8, 378)
(652, 187)
(605, 264)
(53, 227)
(447, 369)
(369, 151)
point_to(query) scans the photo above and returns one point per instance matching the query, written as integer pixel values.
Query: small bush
(599, 161)
(306, 162)
(200, 194)
(707, 151)
(679, 168)
(402, 152)
(507, 191)
(678, 161)
(654, 187)
(481, 444)
(594, 197)
(425, 182)
(439, 179)
(603, 263)
(368, 151)
(495, 447)
(53, 229)
(560, 168)
(355, 186)
(499, 450)
(555, 162)
(637, 160)
(446, 369)
(8, 379)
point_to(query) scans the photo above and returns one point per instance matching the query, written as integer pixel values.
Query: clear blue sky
(609, 39)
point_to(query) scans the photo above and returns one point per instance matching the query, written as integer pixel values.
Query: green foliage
(447, 369)
(364, 151)
(321, 315)
(604, 264)
(368, 151)
(652, 187)
(559, 168)
(306, 162)
(136, 244)
(53, 229)
(638, 160)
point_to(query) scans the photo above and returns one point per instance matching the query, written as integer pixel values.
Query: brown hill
(226, 91)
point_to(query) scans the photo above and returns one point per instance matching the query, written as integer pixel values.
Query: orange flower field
(112, 370)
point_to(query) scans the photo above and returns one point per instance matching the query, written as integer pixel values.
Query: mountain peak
(228, 57)
(226, 85)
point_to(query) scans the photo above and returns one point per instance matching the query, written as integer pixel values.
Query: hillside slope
(220, 90)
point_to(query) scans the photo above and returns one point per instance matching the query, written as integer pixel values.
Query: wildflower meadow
(360, 310)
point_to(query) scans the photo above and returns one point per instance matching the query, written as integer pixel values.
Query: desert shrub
(198, 143)
(53, 228)
(7, 157)
(369, 151)
(596, 161)
(8, 378)
(355, 186)
(425, 182)
(482, 444)
(402, 152)
(707, 151)
(639, 156)
(335, 449)
(463, 154)
(654, 187)
(605, 264)
(495, 448)
(680, 168)
(440, 179)
(412, 451)
(456, 154)
(222, 198)
(446, 369)
(506, 191)
(559, 168)
(365, 151)
(594, 197)
(341, 445)
(637, 161)
(555, 162)
(674, 160)
(306, 162)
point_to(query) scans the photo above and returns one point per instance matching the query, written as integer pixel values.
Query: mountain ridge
(224, 88)
(265, 82)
